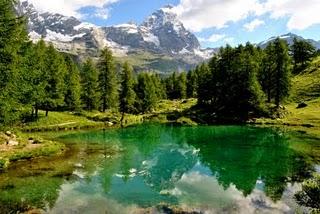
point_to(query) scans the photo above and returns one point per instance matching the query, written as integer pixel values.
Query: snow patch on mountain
(84, 25)
(54, 36)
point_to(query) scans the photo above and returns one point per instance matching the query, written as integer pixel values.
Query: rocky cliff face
(161, 36)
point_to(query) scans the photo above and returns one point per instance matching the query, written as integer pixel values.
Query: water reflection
(214, 169)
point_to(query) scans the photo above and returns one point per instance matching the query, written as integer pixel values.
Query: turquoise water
(230, 169)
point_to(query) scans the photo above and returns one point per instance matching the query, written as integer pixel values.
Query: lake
(146, 168)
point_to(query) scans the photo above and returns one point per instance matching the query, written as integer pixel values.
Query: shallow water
(214, 169)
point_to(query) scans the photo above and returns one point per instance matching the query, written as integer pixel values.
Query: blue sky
(214, 22)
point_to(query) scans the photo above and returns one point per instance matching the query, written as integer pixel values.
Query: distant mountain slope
(289, 37)
(161, 36)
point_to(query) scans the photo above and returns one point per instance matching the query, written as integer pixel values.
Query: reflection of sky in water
(194, 191)
(173, 175)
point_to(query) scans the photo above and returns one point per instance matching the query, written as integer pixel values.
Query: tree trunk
(122, 118)
(37, 110)
(269, 95)
(32, 112)
(47, 112)
(104, 105)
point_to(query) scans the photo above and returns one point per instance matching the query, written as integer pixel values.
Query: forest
(236, 83)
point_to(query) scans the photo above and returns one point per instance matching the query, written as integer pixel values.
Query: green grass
(305, 88)
(26, 150)
(59, 121)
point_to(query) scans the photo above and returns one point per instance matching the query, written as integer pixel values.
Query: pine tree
(302, 53)
(33, 76)
(72, 85)
(146, 92)
(192, 84)
(89, 82)
(267, 70)
(159, 86)
(204, 84)
(181, 85)
(108, 81)
(12, 37)
(54, 74)
(282, 71)
(127, 94)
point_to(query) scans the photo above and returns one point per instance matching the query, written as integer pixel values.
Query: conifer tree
(33, 76)
(127, 93)
(12, 37)
(72, 85)
(267, 70)
(89, 82)
(192, 84)
(181, 85)
(54, 74)
(108, 81)
(302, 53)
(146, 92)
(282, 71)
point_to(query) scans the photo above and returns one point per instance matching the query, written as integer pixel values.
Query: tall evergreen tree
(146, 92)
(33, 76)
(181, 85)
(204, 83)
(54, 75)
(302, 53)
(282, 72)
(12, 37)
(89, 82)
(192, 84)
(267, 71)
(127, 94)
(108, 81)
(72, 85)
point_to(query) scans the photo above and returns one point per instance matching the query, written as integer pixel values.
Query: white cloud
(198, 15)
(253, 24)
(203, 14)
(218, 37)
(302, 13)
(229, 40)
(213, 38)
(71, 7)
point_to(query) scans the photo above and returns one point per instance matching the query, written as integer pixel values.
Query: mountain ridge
(160, 43)
(161, 36)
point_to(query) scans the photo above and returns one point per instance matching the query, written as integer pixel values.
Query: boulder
(302, 105)
(12, 143)
(8, 133)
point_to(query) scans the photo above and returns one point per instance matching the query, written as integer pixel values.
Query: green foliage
(33, 75)
(54, 77)
(72, 86)
(108, 81)
(147, 92)
(309, 196)
(302, 54)
(89, 82)
(282, 72)
(275, 72)
(12, 38)
(192, 84)
(127, 94)
(228, 86)
(176, 86)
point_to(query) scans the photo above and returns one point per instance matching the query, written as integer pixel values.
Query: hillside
(306, 86)
(305, 89)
